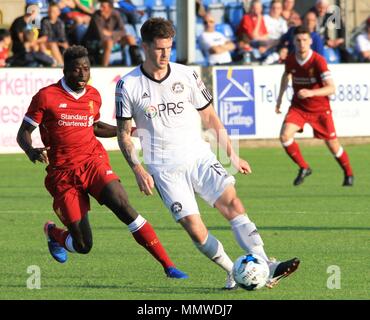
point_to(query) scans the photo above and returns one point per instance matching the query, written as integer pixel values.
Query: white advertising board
(245, 99)
(18, 85)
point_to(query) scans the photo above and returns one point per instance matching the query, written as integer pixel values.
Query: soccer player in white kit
(167, 102)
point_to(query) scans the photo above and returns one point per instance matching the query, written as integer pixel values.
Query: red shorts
(70, 188)
(322, 123)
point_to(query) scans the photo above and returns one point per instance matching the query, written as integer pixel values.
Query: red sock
(147, 237)
(343, 161)
(59, 235)
(293, 151)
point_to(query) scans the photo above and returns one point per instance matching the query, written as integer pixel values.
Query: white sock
(136, 224)
(69, 244)
(214, 250)
(247, 236)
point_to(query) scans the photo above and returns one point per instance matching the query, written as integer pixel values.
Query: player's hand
(38, 154)
(241, 165)
(144, 180)
(277, 108)
(305, 93)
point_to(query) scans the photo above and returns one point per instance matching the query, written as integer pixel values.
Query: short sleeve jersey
(308, 74)
(165, 114)
(65, 120)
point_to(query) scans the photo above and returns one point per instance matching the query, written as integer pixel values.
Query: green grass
(321, 222)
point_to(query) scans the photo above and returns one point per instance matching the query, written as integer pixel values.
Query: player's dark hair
(108, 1)
(4, 33)
(157, 28)
(302, 30)
(74, 52)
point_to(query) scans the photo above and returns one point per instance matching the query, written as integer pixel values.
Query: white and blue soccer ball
(251, 272)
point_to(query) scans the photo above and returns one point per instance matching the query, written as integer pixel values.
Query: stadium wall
(244, 98)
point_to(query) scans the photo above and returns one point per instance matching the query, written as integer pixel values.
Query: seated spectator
(32, 56)
(200, 10)
(291, 16)
(276, 25)
(129, 12)
(106, 29)
(20, 24)
(76, 14)
(286, 41)
(252, 31)
(5, 42)
(333, 36)
(53, 35)
(215, 45)
(363, 43)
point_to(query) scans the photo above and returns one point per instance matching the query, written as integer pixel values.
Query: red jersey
(66, 120)
(4, 54)
(248, 24)
(308, 74)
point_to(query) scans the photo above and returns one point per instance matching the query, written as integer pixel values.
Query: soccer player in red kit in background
(67, 114)
(312, 84)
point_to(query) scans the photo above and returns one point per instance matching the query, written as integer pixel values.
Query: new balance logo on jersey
(145, 95)
(108, 172)
(63, 105)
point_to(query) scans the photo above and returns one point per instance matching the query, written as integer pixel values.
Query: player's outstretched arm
(25, 142)
(143, 178)
(212, 121)
(283, 86)
(104, 130)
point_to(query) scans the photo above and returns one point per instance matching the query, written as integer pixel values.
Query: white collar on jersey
(70, 91)
(302, 62)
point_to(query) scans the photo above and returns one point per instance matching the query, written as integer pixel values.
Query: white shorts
(177, 187)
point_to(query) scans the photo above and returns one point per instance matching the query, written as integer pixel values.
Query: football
(251, 272)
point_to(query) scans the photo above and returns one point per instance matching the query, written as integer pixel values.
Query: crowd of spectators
(262, 34)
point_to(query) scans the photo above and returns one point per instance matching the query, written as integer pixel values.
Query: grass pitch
(320, 222)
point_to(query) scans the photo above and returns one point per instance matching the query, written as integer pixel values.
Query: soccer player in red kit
(312, 84)
(67, 114)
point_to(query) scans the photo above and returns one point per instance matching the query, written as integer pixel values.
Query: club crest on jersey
(178, 87)
(151, 112)
(176, 207)
(91, 106)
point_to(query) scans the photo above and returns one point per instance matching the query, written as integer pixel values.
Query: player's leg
(291, 147)
(176, 191)
(247, 235)
(209, 245)
(115, 198)
(342, 158)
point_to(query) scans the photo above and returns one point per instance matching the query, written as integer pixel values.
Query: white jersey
(165, 114)
(208, 40)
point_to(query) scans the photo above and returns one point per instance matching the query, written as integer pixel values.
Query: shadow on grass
(178, 290)
(270, 228)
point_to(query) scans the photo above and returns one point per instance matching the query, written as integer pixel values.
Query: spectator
(287, 40)
(5, 42)
(77, 15)
(106, 29)
(291, 16)
(20, 24)
(276, 25)
(214, 44)
(53, 35)
(252, 32)
(200, 10)
(333, 36)
(363, 43)
(129, 12)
